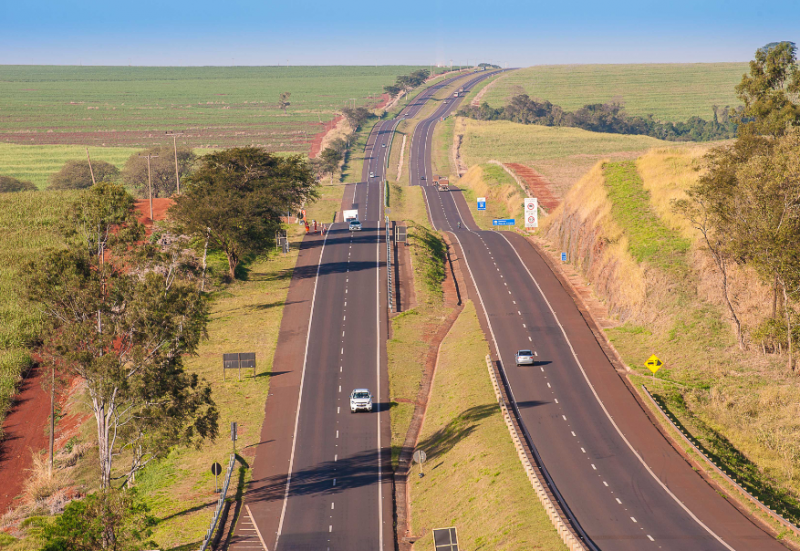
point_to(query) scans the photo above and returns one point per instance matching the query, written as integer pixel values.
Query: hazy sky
(271, 32)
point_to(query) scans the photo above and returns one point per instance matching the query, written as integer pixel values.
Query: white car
(383, 145)
(525, 357)
(360, 398)
(355, 225)
(371, 174)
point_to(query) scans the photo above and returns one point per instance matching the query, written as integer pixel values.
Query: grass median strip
(473, 478)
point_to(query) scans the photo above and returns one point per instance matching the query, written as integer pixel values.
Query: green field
(561, 154)
(215, 106)
(671, 92)
(27, 224)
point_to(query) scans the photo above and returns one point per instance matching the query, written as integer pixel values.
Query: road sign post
(503, 222)
(419, 457)
(531, 213)
(563, 257)
(481, 203)
(216, 470)
(653, 363)
(234, 430)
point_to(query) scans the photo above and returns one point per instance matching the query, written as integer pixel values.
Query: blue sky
(513, 32)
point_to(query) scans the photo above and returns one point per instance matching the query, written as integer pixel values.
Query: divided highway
(625, 485)
(335, 493)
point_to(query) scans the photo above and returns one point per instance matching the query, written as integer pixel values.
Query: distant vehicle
(349, 215)
(371, 174)
(445, 101)
(525, 357)
(443, 184)
(360, 398)
(383, 145)
(422, 177)
(355, 225)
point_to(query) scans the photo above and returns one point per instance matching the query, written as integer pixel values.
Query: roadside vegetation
(699, 264)
(468, 446)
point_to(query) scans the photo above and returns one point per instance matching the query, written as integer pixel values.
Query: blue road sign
(563, 257)
(481, 203)
(503, 222)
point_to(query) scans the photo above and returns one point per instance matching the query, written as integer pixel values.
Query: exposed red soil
(385, 99)
(316, 141)
(160, 206)
(24, 429)
(539, 186)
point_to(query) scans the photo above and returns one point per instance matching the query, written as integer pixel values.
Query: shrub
(76, 174)
(9, 185)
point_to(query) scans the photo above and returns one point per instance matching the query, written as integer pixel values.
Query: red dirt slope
(539, 186)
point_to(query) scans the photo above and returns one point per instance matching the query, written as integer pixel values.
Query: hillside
(671, 92)
(649, 267)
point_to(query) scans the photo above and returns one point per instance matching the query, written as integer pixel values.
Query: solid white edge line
(378, 364)
(603, 406)
(300, 396)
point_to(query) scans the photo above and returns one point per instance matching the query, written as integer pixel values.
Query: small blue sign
(563, 257)
(503, 222)
(481, 203)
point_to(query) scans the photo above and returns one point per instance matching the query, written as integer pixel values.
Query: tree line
(610, 118)
(122, 312)
(405, 83)
(746, 204)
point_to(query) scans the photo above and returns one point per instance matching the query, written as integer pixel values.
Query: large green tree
(77, 175)
(121, 314)
(162, 169)
(770, 91)
(237, 198)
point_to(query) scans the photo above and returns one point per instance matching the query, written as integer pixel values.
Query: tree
(122, 323)
(770, 91)
(162, 169)
(77, 175)
(356, 117)
(283, 101)
(113, 520)
(330, 159)
(11, 185)
(238, 196)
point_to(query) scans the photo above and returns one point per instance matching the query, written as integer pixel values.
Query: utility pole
(150, 183)
(175, 148)
(90, 166)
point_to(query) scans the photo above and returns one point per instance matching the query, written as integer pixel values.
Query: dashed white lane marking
(518, 312)
(595, 468)
(564, 416)
(556, 399)
(541, 369)
(343, 333)
(523, 326)
(605, 484)
(330, 528)
(337, 434)
(344, 318)
(338, 409)
(336, 457)
(334, 482)
(530, 339)
(345, 304)
(342, 350)
(584, 451)
(618, 501)
(331, 506)
(340, 388)
(650, 537)
(633, 519)
(548, 385)
(573, 433)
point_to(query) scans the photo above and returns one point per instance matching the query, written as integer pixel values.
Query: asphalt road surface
(624, 483)
(338, 495)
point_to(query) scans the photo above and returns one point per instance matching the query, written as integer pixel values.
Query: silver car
(355, 225)
(360, 398)
(525, 357)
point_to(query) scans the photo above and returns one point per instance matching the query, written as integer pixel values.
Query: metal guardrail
(389, 264)
(774, 514)
(220, 503)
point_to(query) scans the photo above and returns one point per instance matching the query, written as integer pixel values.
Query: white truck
(350, 215)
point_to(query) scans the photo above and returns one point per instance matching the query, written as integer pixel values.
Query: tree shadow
(443, 440)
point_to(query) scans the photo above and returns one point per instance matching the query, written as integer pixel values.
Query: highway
(336, 493)
(626, 487)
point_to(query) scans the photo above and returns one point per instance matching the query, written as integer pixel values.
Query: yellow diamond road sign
(653, 363)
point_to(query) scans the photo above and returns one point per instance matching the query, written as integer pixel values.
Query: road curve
(624, 483)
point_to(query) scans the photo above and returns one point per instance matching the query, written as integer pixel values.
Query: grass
(504, 198)
(561, 154)
(37, 162)
(671, 92)
(133, 106)
(649, 240)
(473, 478)
(28, 226)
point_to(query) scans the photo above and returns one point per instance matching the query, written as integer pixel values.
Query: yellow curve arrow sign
(653, 363)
